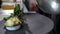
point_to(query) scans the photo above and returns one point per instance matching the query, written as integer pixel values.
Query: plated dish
(13, 21)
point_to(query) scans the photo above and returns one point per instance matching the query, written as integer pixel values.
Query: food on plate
(12, 21)
(15, 18)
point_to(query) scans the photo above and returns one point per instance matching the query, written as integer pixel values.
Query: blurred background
(31, 6)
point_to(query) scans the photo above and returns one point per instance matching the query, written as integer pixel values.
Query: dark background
(0, 3)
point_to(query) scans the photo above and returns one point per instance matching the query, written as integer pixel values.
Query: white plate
(13, 27)
(2, 16)
(5, 13)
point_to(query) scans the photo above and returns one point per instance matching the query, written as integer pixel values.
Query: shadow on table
(22, 30)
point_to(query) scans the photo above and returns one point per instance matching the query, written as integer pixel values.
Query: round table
(51, 7)
(34, 24)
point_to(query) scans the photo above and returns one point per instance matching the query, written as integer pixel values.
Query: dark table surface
(52, 7)
(34, 24)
